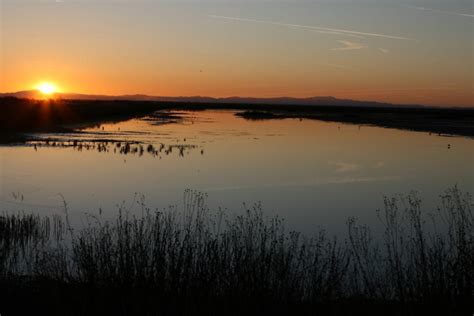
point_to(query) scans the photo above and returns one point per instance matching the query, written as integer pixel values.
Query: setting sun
(47, 88)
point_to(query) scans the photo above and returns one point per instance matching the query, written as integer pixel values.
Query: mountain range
(317, 101)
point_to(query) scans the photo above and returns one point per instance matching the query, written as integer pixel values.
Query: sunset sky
(387, 50)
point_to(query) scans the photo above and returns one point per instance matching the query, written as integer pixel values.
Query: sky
(400, 51)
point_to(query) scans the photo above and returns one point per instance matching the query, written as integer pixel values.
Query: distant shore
(21, 116)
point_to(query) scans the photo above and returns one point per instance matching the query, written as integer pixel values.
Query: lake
(311, 173)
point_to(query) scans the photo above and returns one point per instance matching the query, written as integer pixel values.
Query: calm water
(311, 173)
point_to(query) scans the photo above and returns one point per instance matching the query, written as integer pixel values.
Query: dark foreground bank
(19, 116)
(196, 262)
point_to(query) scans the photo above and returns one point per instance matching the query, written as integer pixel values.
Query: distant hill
(317, 101)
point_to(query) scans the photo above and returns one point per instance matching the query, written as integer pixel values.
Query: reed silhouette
(114, 146)
(194, 261)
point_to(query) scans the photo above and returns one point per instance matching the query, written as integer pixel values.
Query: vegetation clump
(193, 262)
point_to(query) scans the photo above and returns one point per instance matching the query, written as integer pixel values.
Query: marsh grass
(194, 261)
(116, 147)
(426, 260)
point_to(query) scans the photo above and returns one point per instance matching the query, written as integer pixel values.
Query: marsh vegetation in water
(330, 170)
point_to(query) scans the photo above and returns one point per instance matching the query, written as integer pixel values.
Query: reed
(194, 261)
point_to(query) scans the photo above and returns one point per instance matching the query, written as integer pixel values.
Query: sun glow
(47, 88)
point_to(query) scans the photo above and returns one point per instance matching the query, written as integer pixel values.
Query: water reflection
(309, 172)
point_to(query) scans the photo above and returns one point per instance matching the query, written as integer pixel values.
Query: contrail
(318, 28)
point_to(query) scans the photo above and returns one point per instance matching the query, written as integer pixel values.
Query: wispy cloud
(316, 28)
(384, 50)
(333, 33)
(349, 46)
(379, 165)
(338, 66)
(343, 167)
(441, 11)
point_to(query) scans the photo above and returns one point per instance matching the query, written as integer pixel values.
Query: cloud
(441, 11)
(320, 29)
(336, 66)
(342, 167)
(384, 50)
(379, 165)
(349, 46)
(335, 33)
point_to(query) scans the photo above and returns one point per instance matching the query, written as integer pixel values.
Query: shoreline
(22, 116)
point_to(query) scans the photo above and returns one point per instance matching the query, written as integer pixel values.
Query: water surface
(311, 173)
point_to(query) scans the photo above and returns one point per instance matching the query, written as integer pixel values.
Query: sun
(46, 88)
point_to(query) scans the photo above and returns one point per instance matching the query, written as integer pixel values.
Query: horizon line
(295, 98)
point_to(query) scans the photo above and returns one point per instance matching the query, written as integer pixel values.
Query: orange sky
(380, 51)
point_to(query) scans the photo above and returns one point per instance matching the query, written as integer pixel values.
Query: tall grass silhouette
(194, 261)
